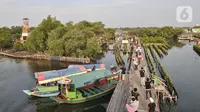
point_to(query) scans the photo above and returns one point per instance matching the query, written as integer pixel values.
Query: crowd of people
(145, 83)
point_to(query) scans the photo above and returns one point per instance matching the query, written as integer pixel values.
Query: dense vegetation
(165, 32)
(156, 34)
(153, 40)
(5, 38)
(83, 39)
(9, 35)
(196, 48)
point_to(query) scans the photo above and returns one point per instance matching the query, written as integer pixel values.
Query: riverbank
(42, 56)
(196, 48)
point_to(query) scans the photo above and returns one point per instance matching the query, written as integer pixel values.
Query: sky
(113, 13)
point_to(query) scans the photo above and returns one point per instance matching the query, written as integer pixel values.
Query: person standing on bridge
(135, 94)
(139, 55)
(148, 87)
(135, 62)
(142, 76)
(134, 104)
(151, 105)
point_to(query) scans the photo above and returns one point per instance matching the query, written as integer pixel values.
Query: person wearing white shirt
(134, 104)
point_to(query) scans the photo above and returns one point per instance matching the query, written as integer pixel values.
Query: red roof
(196, 27)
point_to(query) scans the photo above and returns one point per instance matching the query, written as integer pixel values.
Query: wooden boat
(88, 86)
(51, 77)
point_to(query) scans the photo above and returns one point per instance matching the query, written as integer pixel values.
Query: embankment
(42, 56)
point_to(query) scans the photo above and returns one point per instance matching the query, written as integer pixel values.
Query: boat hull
(39, 94)
(84, 99)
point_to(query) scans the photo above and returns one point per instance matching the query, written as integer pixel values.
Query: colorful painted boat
(56, 75)
(88, 86)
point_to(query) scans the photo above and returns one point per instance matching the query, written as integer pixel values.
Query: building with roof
(196, 29)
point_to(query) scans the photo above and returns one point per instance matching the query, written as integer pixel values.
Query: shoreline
(42, 56)
(196, 48)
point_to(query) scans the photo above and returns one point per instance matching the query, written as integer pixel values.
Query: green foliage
(5, 38)
(166, 32)
(76, 40)
(93, 49)
(18, 46)
(16, 30)
(36, 41)
(196, 48)
(146, 39)
(149, 61)
(156, 34)
(56, 47)
(158, 51)
(163, 49)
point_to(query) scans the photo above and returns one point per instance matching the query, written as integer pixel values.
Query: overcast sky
(113, 13)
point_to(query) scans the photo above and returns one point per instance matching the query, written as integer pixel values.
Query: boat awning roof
(55, 75)
(89, 77)
(90, 66)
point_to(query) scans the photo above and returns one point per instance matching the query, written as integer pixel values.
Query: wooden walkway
(134, 80)
(119, 97)
(122, 93)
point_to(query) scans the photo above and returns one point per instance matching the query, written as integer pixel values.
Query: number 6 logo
(184, 14)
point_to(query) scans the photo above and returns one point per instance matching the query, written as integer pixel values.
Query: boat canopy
(90, 66)
(90, 77)
(55, 75)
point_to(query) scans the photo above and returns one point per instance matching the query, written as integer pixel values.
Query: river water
(182, 64)
(18, 74)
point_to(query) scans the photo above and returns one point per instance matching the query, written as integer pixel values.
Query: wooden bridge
(122, 93)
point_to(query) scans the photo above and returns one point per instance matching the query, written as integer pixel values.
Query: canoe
(41, 94)
(75, 93)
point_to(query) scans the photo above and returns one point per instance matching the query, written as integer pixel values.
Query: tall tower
(25, 29)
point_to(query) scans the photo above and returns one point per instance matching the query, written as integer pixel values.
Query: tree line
(82, 39)
(156, 34)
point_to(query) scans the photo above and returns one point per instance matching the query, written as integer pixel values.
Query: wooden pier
(122, 93)
(119, 97)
